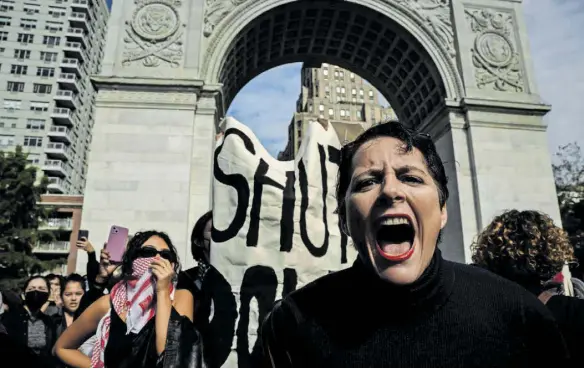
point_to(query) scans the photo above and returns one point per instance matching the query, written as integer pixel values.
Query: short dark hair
(197, 237)
(73, 278)
(136, 242)
(36, 276)
(411, 140)
(51, 276)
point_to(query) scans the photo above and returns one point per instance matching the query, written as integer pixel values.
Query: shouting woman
(401, 304)
(143, 322)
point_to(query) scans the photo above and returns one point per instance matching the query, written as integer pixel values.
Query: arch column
(206, 120)
(493, 138)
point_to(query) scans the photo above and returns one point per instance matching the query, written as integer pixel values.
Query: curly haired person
(528, 248)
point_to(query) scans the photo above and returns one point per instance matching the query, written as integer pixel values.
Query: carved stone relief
(154, 34)
(494, 53)
(217, 10)
(435, 14)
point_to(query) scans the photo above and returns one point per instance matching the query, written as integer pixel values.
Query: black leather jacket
(184, 345)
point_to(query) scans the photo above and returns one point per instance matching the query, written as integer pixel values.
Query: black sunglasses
(150, 252)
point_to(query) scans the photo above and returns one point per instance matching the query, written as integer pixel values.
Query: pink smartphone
(116, 243)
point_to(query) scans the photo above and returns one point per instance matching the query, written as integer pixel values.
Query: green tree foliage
(569, 177)
(20, 216)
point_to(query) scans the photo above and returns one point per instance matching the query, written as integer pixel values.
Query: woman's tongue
(395, 249)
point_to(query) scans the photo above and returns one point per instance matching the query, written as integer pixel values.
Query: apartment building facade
(64, 222)
(48, 51)
(347, 101)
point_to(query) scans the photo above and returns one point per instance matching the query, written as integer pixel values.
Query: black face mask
(35, 299)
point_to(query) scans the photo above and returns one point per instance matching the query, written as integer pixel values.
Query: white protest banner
(274, 229)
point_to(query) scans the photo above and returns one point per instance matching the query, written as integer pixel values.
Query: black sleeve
(569, 313)
(277, 336)
(92, 268)
(545, 343)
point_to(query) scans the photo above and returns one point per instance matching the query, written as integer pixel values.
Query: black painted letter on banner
(239, 183)
(315, 251)
(335, 158)
(259, 282)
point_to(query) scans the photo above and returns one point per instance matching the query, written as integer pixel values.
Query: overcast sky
(555, 27)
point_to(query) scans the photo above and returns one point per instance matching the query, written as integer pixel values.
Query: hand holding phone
(116, 243)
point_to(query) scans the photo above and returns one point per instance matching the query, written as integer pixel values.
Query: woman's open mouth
(395, 237)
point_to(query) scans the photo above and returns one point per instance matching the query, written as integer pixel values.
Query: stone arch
(391, 45)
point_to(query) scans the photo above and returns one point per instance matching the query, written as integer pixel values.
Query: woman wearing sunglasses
(144, 321)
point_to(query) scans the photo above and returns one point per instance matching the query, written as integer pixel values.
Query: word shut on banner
(274, 229)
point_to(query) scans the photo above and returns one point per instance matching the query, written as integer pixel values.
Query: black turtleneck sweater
(454, 315)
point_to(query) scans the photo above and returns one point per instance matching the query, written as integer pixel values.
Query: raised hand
(164, 272)
(85, 245)
(106, 268)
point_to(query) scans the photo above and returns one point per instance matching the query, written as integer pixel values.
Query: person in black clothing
(401, 304)
(27, 326)
(71, 295)
(143, 321)
(92, 267)
(53, 305)
(526, 247)
(209, 288)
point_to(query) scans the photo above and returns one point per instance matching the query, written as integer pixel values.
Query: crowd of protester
(400, 303)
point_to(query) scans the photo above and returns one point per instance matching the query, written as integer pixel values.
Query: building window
(361, 92)
(358, 114)
(33, 159)
(31, 9)
(353, 77)
(21, 54)
(39, 106)
(3, 36)
(25, 38)
(15, 86)
(18, 69)
(48, 57)
(35, 124)
(33, 141)
(51, 40)
(6, 6)
(6, 140)
(342, 113)
(28, 23)
(42, 89)
(56, 12)
(6, 122)
(45, 72)
(343, 91)
(354, 92)
(338, 89)
(5, 21)
(331, 112)
(342, 74)
(12, 104)
(321, 107)
(53, 26)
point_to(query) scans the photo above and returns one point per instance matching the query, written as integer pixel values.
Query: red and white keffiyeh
(137, 298)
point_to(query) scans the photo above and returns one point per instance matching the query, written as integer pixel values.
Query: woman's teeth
(395, 221)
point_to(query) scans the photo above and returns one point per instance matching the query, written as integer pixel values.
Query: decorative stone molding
(435, 15)
(154, 34)
(216, 11)
(494, 53)
(146, 99)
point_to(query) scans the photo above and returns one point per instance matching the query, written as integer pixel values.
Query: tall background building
(48, 50)
(350, 104)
